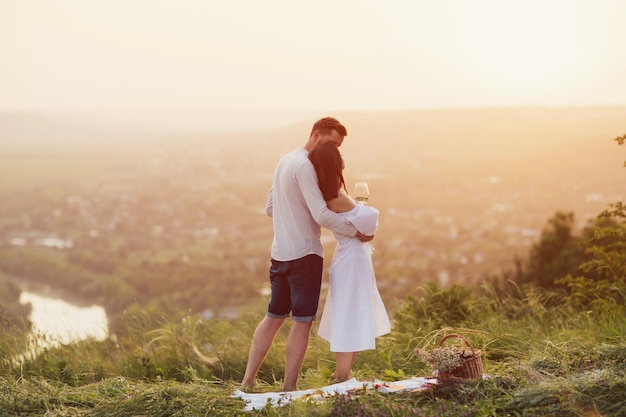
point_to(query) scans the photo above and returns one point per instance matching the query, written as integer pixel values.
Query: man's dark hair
(327, 124)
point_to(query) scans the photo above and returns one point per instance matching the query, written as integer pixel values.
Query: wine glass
(361, 192)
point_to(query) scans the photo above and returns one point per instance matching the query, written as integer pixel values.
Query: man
(298, 209)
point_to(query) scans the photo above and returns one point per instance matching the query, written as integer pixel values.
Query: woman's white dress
(354, 313)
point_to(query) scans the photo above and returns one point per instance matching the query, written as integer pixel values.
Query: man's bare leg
(297, 343)
(261, 344)
(343, 366)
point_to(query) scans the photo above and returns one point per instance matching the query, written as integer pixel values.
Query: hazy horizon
(220, 121)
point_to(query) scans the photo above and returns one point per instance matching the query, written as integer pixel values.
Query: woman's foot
(338, 380)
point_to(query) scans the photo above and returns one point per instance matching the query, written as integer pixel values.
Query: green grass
(540, 361)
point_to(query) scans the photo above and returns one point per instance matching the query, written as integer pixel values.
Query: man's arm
(269, 204)
(364, 238)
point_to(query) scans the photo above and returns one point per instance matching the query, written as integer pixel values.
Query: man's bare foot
(246, 389)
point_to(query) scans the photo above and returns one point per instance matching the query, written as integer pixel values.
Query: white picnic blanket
(277, 399)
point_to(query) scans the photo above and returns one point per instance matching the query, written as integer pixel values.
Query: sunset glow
(281, 55)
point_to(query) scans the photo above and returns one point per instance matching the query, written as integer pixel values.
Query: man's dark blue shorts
(295, 288)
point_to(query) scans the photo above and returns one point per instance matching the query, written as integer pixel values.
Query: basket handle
(469, 345)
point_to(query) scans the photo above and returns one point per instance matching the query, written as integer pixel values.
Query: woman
(354, 313)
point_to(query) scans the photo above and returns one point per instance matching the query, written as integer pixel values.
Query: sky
(291, 55)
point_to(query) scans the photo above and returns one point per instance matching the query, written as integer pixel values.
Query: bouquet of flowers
(450, 362)
(441, 359)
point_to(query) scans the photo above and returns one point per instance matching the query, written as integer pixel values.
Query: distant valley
(462, 193)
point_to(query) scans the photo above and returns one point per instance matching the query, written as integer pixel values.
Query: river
(56, 321)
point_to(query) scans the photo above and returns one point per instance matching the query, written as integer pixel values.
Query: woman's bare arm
(342, 203)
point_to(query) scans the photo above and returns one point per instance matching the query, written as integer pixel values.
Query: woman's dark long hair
(329, 166)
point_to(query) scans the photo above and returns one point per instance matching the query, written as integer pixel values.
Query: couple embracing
(308, 192)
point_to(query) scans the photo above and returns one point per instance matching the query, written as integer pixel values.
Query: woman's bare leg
(344, 363)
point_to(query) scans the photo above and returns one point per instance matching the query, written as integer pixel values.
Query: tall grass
(543, 356)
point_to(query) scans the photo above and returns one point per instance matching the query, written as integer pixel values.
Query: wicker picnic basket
(472, 366)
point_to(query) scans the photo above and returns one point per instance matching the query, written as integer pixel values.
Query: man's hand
(364, 238)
